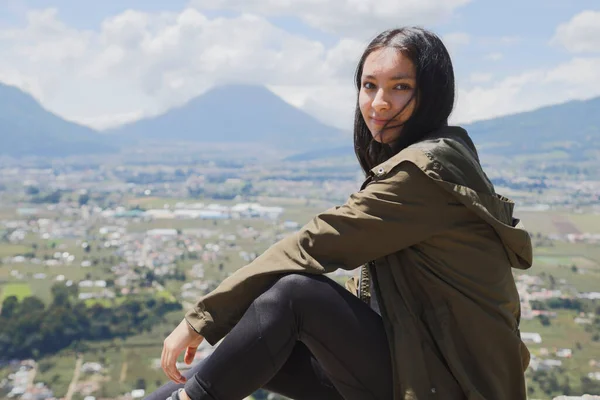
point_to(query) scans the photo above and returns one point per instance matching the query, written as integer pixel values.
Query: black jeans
(305, 337)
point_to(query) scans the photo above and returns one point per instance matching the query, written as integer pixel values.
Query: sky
(105, 63)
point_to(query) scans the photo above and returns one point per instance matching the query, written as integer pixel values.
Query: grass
(582, 255)
(543, 222)
(559, 259)
(164, 294)
(11, 250)
(563, 332)
(589, 251)
(106, 303)
(20, 290)
(586, 222)
(125, 361)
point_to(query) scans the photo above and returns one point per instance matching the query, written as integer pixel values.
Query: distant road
(32, 375)
(75, 379)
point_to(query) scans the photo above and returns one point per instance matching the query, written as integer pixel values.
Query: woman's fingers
(169, 364)
(163, 358)
(189, 354)
(182, 337)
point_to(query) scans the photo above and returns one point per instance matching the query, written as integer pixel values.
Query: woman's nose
(380, 101)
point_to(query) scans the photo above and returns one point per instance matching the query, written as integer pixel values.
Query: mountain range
(572, 127)
(26, 128)
(236, 114)
(253, 114)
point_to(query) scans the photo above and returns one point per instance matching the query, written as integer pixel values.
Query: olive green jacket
(439, 244)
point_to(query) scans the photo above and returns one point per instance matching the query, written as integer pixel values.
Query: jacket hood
(449, 157)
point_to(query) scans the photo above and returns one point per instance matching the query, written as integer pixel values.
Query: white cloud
(480, 77)
(109, 120)
(140, 64)
(152, 62)
(581, 74)
(480, 97)
(346, 17)
(496, 56)
(575, 79)
(509, 40)
(580, 34)
(455, 41)
(332, 104)
(498, 41)
(30, 84)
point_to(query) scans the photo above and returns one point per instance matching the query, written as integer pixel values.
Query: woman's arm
(389, 215)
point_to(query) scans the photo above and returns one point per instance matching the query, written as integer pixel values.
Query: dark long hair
(434, 92)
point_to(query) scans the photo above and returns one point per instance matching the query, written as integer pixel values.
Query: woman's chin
(384, 140)
(386, 137)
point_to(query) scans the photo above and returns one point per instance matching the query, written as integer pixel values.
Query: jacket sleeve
(388, 215)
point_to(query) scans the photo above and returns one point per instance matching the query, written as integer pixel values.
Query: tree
(246, 189)
(32, 190)
(552, 281)
(590, 386)
(566, 387)
(83, 199)
(140, 384)
(544, 320)
(29, 329)
(30, 304)
(53, 197)
(60, 295)
(9, 307)
(538, 305)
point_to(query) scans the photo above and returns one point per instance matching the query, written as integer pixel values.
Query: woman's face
(387, 84)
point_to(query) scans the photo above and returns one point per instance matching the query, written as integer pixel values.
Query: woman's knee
(294, 285)
(287, 289)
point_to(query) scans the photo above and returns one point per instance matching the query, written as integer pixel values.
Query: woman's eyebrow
(393, 78)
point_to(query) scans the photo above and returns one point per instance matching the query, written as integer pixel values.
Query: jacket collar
(454, 133)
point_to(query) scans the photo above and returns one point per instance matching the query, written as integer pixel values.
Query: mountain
(26, 128)
(572, 128)
(244, 114)
(236, 114)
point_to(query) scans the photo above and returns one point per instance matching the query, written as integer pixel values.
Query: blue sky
(101, 64)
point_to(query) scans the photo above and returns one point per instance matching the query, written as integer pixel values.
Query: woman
(435, 312)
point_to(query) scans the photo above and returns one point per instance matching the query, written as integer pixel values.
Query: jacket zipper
(364, 284)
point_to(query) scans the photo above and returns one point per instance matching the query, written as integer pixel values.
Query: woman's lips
(380, 122)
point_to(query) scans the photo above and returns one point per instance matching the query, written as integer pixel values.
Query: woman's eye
(368, 85)
(403, 86)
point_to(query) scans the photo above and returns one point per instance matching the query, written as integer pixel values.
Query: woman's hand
(182, 337)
